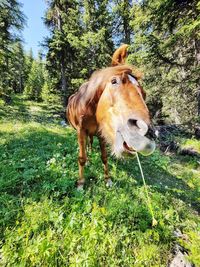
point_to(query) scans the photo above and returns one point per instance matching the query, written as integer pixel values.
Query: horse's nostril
(138, 126)
(132, 122)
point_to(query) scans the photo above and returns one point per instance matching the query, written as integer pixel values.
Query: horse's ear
(120, 55)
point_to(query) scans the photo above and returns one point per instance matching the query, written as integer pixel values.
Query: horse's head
(122, 115)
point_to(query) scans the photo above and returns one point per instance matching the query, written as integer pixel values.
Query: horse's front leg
(82, 157)
(105, 161)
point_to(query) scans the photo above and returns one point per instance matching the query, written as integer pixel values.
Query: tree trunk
(63, 83)
(127, 32)
(198, 100)
(197, 55)
(126, 20)
(20, 82)
(62, 65)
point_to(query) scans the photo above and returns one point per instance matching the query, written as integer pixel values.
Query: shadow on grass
(17, 110)
(38, 172)
(160, 180)
(158, 175)
(44, 163)
(24, 111)
(34, 166)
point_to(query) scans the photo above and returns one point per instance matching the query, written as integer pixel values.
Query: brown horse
(111, 106)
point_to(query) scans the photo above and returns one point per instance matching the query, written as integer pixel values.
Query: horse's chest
(89, 123)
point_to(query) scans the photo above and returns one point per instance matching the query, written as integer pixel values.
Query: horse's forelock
(90, 92)
(99, 79)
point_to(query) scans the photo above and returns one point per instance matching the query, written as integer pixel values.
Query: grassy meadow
(45, 221)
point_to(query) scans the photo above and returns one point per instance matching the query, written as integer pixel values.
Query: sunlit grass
(45, 221)
(192, 144)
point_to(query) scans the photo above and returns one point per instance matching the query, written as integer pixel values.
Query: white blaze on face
(133, 80)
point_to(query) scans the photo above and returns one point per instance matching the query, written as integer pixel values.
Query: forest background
(44, 220)
(164, 43)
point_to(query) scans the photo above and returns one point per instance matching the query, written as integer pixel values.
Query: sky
(35, 31)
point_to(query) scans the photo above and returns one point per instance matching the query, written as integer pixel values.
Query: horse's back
(80, 113)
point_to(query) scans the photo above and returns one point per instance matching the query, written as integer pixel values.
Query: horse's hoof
(80, 187)
(109, 183)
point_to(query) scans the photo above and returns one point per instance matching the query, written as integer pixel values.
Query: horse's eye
(114, 81)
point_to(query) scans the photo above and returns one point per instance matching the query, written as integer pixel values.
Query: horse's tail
(120, 55)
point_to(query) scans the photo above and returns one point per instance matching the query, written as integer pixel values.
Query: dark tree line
(164, 43)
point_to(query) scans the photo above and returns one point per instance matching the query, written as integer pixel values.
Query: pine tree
(11, 22)
(81, 36)
(17, 70)
(60, 18)
(166, 46)
(28, 61)
(96, 40)
(35, 82)
(122, 31)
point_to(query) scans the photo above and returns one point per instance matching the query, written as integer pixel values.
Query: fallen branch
(189, 152)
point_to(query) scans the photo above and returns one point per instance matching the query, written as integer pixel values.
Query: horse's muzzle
(132, 138)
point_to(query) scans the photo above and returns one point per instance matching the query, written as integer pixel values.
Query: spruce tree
(81, 41)
(121, 12)
(60, 18)
(11, 22)
(166, 46)
(35, 82)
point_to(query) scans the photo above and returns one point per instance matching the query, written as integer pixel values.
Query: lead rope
(154, 222)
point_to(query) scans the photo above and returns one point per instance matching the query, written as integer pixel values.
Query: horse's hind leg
(82, 157)
(105, 161)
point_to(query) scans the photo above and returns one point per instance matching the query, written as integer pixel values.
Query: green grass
(45, 221)
(192, 144)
